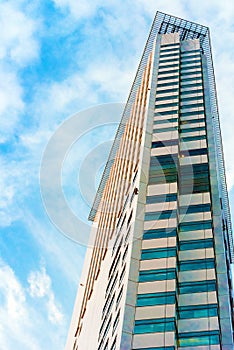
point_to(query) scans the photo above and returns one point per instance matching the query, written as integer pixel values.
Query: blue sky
(58, 57)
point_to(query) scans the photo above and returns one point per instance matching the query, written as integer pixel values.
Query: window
(198, 311)
(122, 275)
(184, 80)
(113, 346)
(197, 287)
(119, 297)
(197, 208)
(174, 54)
(167, 197)
(160, 233)
(165, 91)
(125, 253)
(165, 159)
(157, 275)
(160, 215)
(129, 218)
(165, 59)
(154, 325)
(193, 138)
(195, 225)
(196, 244)
(158, 253)
(170, 128)
(107, 303)
(188, 73)
(168, 72)
(168, 78)
(158, 114)
(198, 128)
(177, 45)
(191, 98)
(188, 53)
(190, 92)
(151, 299)
(185, 61)
(192, 121)
(164, 98)
(157, 348)
(172, 83)
(116, 321)
(193, 105)
(189, 86)
(167, 143)
(176, 49)
(199, 264)
(163, 121)
(193, 66)
(173, 65)
(169, 104)
(194, 152)
(198, 338)
(106, 345)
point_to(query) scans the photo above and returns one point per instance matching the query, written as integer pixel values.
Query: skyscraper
(158, 273)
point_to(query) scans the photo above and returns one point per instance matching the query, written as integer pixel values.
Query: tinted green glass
(166, 143)
(196, 244)
(193, 138)
(197, 287)
(191, 85)
(154, 325)
(198, 338)
(194, 105)
(157, 275)
(197, 208)
(185, 62)
(158, 114)
(199, 264)
(159, 233)
(158, 253)
(169, 197)
(169, 104)
(160, 215)
(194, 152)
(198, 311)
(187, 114)
(185, 80)
(163, 121)
(199, 128)
(168, 78)
(155, 299)
(165, 91)
(195, 225)
(192, 121)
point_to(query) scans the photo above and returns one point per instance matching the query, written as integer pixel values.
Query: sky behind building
(57, 58)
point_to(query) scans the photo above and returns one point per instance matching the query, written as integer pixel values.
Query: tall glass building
(158, 273)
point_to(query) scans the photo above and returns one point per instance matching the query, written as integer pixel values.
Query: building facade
(157, 275)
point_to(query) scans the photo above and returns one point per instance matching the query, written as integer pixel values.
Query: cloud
(40, 287)
(24, 321)
(18, 48)
(14, 313)
(18, 42)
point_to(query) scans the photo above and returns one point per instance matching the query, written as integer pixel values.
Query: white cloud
(23, 321)
(17, 35)
(18, 47)
(11, 103)
(40, 287)
(14, 313)
(39, 283)
(77, 9)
